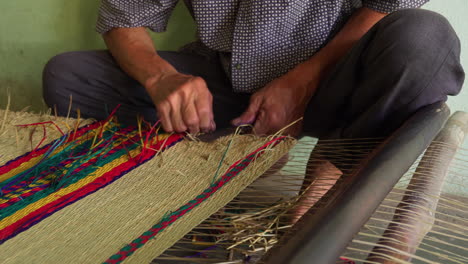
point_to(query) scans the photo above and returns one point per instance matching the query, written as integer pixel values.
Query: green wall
(32, 31)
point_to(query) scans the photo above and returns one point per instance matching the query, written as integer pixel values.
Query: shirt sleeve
(389, 6)
(153, 14)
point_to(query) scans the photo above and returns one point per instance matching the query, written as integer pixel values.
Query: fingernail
(213, 126)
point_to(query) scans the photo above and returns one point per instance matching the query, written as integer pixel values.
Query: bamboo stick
(415, 215)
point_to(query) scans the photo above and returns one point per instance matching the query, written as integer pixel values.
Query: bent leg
(408, 60)
(96, 85)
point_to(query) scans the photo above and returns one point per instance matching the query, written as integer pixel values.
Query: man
(346, 66)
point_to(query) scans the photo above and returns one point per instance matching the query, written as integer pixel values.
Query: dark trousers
(410, 59)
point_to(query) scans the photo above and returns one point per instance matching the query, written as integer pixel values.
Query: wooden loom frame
(322, 235)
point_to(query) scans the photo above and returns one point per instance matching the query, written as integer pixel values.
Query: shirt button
(237, 66)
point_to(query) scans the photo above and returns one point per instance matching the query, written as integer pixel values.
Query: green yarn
(115, 257)
(127, 247)
(59, 180)
(215, 177)
(147, 233)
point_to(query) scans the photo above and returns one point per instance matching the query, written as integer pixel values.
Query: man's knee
(436, 48)
(419, 31)
(419, 43)
(421, 17)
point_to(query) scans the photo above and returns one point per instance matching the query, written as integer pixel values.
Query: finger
(176, 115)
(191, 119)
(163, 112)
(250, 115)
(271, 122)
(204, 105)
(261, 124)
(213, 125)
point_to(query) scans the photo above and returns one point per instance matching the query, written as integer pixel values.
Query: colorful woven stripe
(15, 166)
(169, 219)
(46, 180)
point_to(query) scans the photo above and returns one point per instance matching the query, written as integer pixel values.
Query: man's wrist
(307, 75)
(161, 70)
(150, 82)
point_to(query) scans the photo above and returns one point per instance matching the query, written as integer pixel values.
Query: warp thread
(169, 219)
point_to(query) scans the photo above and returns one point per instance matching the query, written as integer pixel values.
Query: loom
(248, 217)
(406, 203)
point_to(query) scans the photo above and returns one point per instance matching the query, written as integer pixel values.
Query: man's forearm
(323, 61)
(183, 102)
(134, 51)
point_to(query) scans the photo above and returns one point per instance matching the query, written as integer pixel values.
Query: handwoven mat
(16, 140)
(147, 209)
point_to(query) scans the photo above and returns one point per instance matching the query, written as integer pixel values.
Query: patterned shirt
(265, 38)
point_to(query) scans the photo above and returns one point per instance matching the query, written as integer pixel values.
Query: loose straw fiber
(99, 225)
(15, 140)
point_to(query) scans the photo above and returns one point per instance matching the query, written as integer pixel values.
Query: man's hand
(183, 103)
(277, 105)
(284, 100)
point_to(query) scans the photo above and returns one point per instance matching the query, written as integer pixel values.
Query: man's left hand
(277, 105)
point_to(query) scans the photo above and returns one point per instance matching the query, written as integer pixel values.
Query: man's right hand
(183, 102)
